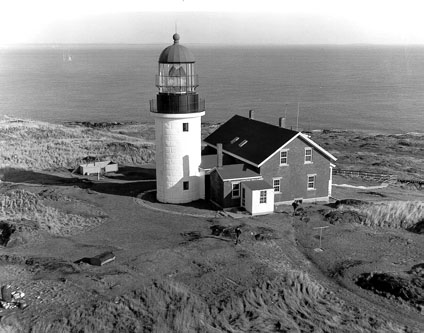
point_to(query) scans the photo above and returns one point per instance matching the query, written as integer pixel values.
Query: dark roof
(176, 53)
(255, 185)
(236, 171)
(209, 161)
(262, 139)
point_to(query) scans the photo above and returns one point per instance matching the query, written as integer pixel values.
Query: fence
(381, 177)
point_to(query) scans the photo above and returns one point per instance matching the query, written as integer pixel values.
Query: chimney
(219, 155)
(251, 114)
(282, 122)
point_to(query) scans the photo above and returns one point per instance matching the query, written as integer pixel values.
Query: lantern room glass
(176, 78)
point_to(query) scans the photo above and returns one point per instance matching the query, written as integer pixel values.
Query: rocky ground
(178, 269)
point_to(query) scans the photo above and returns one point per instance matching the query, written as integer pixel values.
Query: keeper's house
(255, 165)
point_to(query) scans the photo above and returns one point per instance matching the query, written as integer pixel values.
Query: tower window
(185, 127)
(185, 186)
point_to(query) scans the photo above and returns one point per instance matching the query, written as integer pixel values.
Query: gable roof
(253, 141)
(98, 164)
(260, 139)
(236, 171)
(256, 185)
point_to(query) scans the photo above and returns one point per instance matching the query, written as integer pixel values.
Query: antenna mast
(297, 120)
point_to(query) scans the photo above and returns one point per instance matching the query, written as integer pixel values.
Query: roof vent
(235, 139)
(241, 144)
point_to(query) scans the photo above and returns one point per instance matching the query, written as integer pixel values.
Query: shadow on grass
(147, 172)
(198, 205)
(120, 186)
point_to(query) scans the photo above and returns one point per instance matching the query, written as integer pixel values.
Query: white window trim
(266, 196)
(312, 155)
(287, 156)
(277, 178)
(315, 182)
(232, 190)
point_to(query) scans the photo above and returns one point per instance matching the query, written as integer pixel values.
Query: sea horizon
(377, 88)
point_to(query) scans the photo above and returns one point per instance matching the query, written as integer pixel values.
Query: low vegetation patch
(38, 145)
(391, 214)
(290, 303)
(18, 206)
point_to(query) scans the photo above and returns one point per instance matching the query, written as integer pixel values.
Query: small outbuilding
(257, 197)
(97, 167)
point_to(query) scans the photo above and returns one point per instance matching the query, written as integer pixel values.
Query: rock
(337, 217)
(417, 269)
(417, 228)
(350, 202)
(22, 305)
(6, 294)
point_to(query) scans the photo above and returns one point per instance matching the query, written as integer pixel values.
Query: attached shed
(257, 197)
(225, 184)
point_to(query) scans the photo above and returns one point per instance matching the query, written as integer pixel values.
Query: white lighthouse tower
(177, 111)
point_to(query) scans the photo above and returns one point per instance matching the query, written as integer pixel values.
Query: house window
(185, 127)
(235, 193)
(283, 157)
(308, 155)
(276, 183)
(185, 186)
(311, 182)
(262, 197)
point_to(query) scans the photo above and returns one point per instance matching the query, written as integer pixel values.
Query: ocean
(369, 88)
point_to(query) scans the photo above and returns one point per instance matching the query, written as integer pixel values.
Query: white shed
(98, 167)
(257, 197)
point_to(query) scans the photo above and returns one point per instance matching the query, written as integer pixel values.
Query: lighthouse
(177, 110)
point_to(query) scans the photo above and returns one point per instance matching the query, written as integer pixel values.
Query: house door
(207, 187)
(243, 197)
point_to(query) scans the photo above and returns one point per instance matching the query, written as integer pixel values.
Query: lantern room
(176, 81)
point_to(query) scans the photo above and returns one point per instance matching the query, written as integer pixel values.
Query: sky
(218, 22)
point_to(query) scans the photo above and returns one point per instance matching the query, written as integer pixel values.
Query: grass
(390, 214)
(290, 303)
(38, 145)
(18, 205)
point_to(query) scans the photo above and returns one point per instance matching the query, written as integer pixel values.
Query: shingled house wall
(294, 175)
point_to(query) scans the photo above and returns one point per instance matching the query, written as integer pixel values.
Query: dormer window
(235, 139)
(241, 144)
